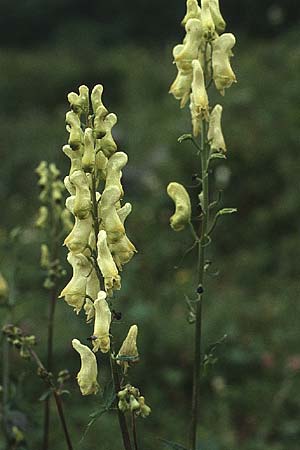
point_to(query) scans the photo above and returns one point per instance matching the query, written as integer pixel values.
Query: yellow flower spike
(108, 213)
(87, 376)
(101, 340)
(222, 72)
(92, 286)
(207, 20)
(108, 268)
(107, 143)
(89, 310)
(219, 22)
(75, 158)
(89, 154)
(215, 135)
(191, 43)
(74, 292)
(181, 86)
(114, 170)
(193, 11)
(41, 221)
(80, 103)
(199, 98)
(73, 127)
(181, 198)
(128, 352)
(4, 291)
(82, 203)
(96, 97)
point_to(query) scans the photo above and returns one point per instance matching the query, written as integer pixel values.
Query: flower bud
(193, 11)
(107, 265)
(145, 410)
(80, 103)
(128, 352)
(215, 135)
(74, 128)
(45, 257)
(222, 72)
(87, 376)
(181, 198)
(134, 404)
(101, 338)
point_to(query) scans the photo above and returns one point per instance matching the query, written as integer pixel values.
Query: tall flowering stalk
(202, 59)
(53, 220)
(99, 248)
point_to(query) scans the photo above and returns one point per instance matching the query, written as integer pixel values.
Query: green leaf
(224, 211)
(173, 445)
(185, 137)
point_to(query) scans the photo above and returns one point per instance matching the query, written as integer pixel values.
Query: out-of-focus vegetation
(250, 396)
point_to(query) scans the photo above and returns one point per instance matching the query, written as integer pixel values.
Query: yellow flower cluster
(98, 245)
(203, 56)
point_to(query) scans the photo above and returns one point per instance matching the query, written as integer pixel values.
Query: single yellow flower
(87, 376)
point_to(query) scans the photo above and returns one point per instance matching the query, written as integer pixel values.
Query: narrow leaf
(184, 137)
(224, 211)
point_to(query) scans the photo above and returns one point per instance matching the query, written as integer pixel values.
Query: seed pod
(101, 338)
(87, 376)
(181, 198)
(222, 72)
(215, 135)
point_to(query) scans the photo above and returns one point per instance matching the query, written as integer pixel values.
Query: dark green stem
(121, 416)
(200, 270)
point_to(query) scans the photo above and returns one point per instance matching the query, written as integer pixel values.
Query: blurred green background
(251, 395)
